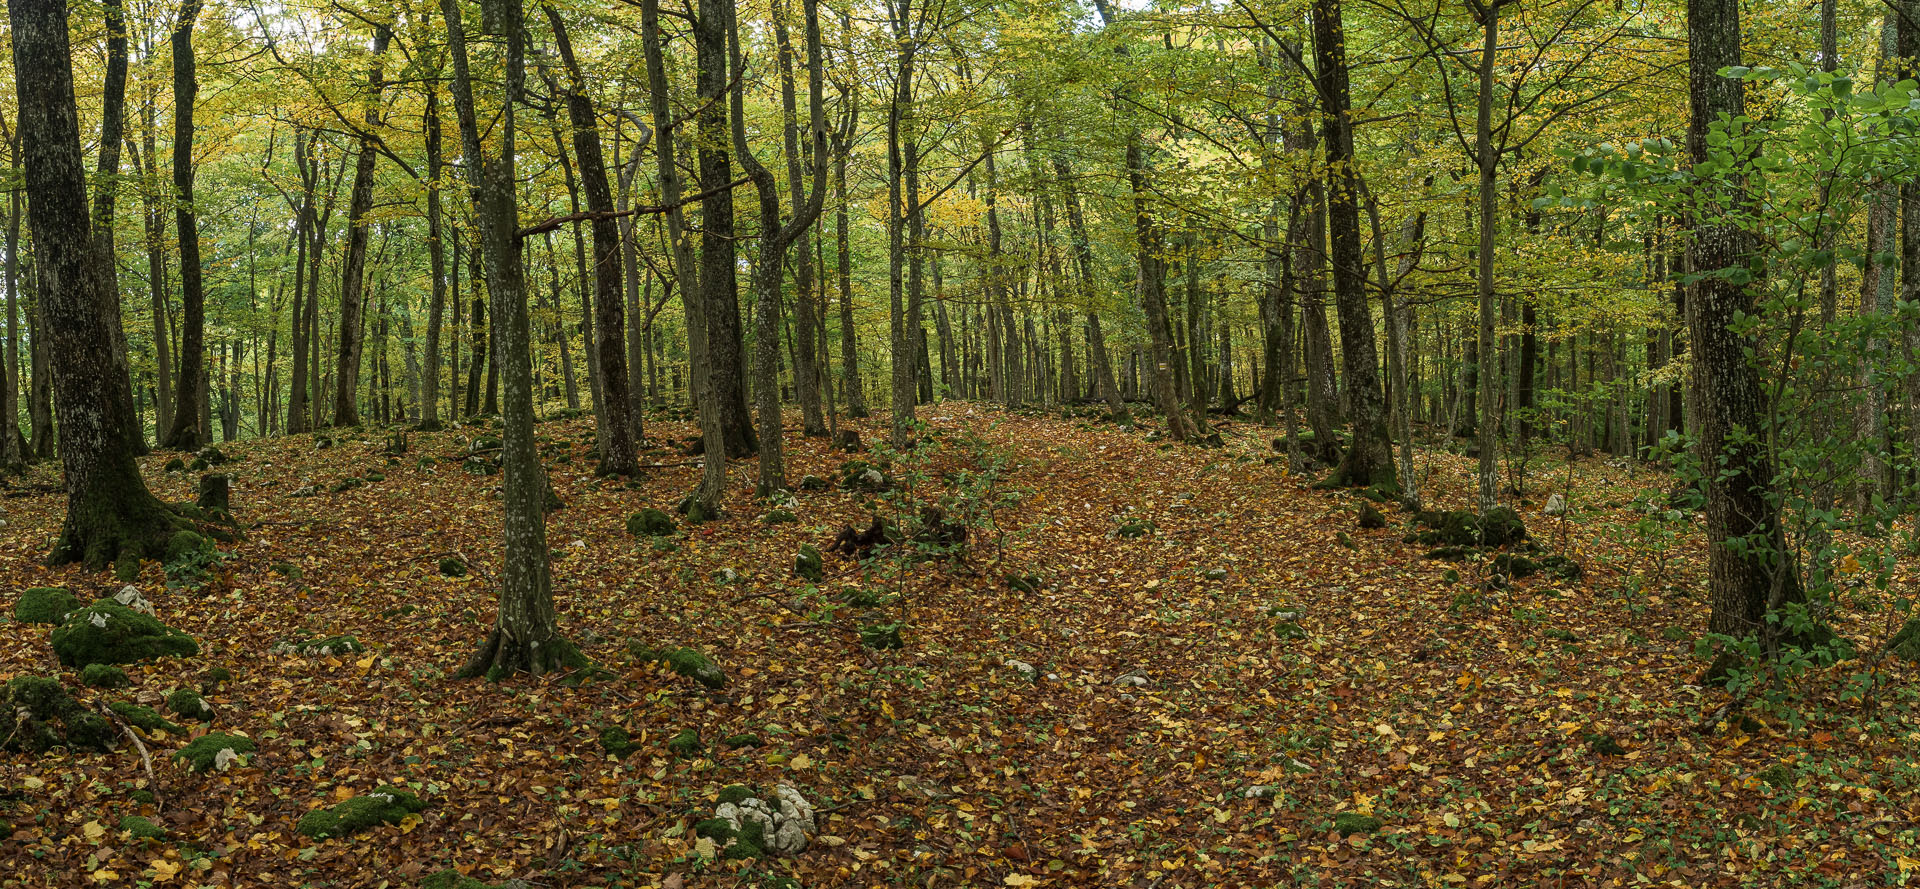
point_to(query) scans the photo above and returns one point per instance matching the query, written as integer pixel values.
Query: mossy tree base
(114, 520)
(502, 655)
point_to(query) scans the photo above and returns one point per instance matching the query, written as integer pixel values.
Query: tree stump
(216, 492)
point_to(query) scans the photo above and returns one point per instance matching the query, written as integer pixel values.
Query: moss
(186, 545)
(146, 719)
(780, 517)
(741, 741)
(345, 484)
(615, 741)
(218, 674)
(746, 843)
(807, 564)
(109, 633)
(187, 704)
(1777, 776)
(126, 569)
(734, 793)
(143, 797)
(104, 676)
(1463, 601)
(687, 743)
(882, 636)
(1452, 553)
(814, 483)
(1604, 744)
(174, 464)
(1463, 527)
(863, 598)
(330, 645)
(1024, 583)
(1559, 635)
(44, 605)
(452, 567)
(699, 513)
(687, 662)
(142, 829)
(1371, 518)
(451, 879)
(1515, 565)
(1350, 823)
(1561, 567)
(38, 714)
(650, 522)
(202, 754)
(1135, 528)
(1906, 643)
(384, 805)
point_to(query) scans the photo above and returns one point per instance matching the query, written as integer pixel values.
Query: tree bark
(184, 433)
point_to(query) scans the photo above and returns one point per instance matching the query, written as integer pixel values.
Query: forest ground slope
(1210, 700)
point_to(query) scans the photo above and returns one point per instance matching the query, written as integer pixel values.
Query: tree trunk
(184, 433)
(526, 635)
(436, 263)
(109, 510)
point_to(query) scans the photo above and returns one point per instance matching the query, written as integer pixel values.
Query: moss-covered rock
(109, 633)
(1905, 644)
(104, 676)
(214, 751)
(859, 475)
(735, 793)
(146, 719)
(44, 605)
(1604, 744)
(650, 522)
(742, 740)
(141, 828)
(1463, 527)
(187, 704)
(1452, 553)
(452, 879)
(37, 714)
(616, 742)
(807, 564)
(174, 464)
(780, 517)
(1350, 823)
(385, 805)
(216, 675)
(1560, 566)
(814, 483)
(452, 567)
(322, 647)
(687, 743)
(1371, 518)
(688, 662)
(1135, 528)
(1514, 565)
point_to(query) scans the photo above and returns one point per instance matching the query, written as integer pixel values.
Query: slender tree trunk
(436, 262)
(353, 266)
(184, 433)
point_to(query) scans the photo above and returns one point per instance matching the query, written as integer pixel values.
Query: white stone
(1556, 505)
(130, 597)
(224, 759)
(1025, 668)
(97, 619)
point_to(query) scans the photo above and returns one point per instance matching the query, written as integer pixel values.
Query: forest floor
(1205, 701)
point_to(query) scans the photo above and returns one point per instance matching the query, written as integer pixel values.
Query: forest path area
(1156, 665)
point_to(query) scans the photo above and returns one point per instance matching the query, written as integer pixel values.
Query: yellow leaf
(164, 870)
(800, 761)
(93, 831)
(104, 876)
(1021, 880)
(365, 664)
(408, 823)
(887, 708)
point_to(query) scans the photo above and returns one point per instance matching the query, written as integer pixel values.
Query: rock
(385, 805)
(1025, 669)
(215, 752)
(814, 483)
(452, 567)
(1216, 574)
(747, 826)
(1556, 505)
(1561, 567)
(1464, 527)
(858, 475)
(104, 676)
(146, 719)
(1371, 518)
(807, 565)
(616, 742)
(1130, 679)
(1514, 565)
(132, 599)
(1604, 744)
(109, 633)
(742, 740)
(212, 456)
(780, 517)
(1350, 823)
(45, 605)
(37, 714)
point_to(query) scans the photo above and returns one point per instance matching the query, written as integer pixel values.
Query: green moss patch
(45, 605)
(807, 564)
(687, 662)
(142, 829)
(146, 719)
(1350, 823)
(104, 676)
(38, 714)
(205, 752)
(385, 805)
(452, 567)
(1463, 527)
(650, 522)
(687, 743)
(1906, 643)
(109, 633)
(187, 704)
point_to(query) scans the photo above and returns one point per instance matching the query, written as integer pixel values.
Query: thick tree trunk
(110, 513)
(1748, 566)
